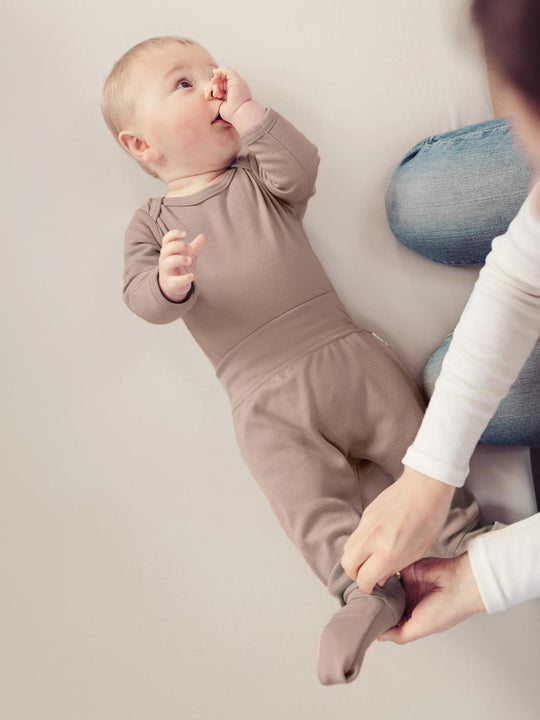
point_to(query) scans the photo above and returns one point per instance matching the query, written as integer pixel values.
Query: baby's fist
(227, 85)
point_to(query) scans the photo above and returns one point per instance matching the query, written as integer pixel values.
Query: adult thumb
(404, 633)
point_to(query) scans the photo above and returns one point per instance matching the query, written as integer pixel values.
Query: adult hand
(396, 528)
(440, 594)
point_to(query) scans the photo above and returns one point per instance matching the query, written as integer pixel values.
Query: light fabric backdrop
(143, 574)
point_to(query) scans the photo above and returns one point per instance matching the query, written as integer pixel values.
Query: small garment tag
(380, 338)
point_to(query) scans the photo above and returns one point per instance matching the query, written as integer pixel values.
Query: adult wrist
(468, 590)
(431, 484)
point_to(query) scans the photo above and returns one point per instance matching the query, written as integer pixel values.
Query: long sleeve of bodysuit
(496, 333)
(142, 293)
(283, 158)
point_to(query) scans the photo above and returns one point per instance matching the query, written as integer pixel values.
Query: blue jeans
(450, 195)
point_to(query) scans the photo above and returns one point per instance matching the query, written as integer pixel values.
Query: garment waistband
(280, 341)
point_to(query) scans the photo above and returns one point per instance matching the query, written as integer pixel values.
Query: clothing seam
(435, 138)
(326, 341)
(253, 332)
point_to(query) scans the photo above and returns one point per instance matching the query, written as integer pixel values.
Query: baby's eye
(183, 82)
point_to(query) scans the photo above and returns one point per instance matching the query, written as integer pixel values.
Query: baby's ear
(138, 148)
(133, 144)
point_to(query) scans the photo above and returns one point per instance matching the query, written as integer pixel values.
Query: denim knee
(451, 194)
(517, 419)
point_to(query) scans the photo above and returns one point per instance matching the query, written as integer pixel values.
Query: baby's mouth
(218, 117)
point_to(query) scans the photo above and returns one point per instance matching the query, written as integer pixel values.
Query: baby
(322, 410)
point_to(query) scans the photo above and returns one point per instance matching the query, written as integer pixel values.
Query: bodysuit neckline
(204, 193)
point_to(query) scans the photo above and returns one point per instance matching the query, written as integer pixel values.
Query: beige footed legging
(325, 431)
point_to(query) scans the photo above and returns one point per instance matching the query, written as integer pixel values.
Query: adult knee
(413, 202)
(433, 367)
(517, 418)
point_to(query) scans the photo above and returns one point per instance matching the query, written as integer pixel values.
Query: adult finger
(404, 633)
(354, 555)
(382, 581)
(374, 569)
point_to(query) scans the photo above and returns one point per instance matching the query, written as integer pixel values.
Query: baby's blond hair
(118, 100)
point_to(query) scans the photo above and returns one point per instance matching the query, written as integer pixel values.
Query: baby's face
(175, 111)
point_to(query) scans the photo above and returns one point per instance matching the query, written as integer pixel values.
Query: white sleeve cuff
(420, 461)
(506, 564)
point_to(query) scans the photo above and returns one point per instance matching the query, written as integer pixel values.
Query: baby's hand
(227, 85)
(177, 263)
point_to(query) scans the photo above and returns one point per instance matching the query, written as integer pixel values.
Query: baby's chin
(235, 150)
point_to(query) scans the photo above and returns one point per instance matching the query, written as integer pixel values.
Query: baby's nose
(208, 91)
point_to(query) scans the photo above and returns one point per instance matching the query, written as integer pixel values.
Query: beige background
(143, 574)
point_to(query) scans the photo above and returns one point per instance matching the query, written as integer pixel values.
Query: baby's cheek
(192, 132)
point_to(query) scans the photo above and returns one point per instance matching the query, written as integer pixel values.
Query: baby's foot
(351, 630)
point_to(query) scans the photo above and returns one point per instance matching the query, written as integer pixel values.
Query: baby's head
(158, 104)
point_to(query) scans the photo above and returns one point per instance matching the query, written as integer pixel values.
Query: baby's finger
(173, 235)
(174, 248)
(180, 283)
(175, 264)
(196, 245)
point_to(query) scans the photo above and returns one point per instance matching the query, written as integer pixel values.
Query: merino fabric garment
(322, 410)
(322, 433)
(344, 641)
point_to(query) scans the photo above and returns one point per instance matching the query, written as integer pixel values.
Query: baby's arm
(284, 159)
(158, 273)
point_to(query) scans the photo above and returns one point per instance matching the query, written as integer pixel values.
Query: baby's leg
(284, 432)
(384, 425)
(308, 481)
(451, 194)
(321, 437)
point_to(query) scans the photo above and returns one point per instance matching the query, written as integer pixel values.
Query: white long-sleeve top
(494, 337)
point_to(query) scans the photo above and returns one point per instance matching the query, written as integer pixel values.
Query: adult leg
(517, 419)
(448, 198)
(451, 194)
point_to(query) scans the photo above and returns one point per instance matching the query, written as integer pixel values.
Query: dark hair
(511, 33)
